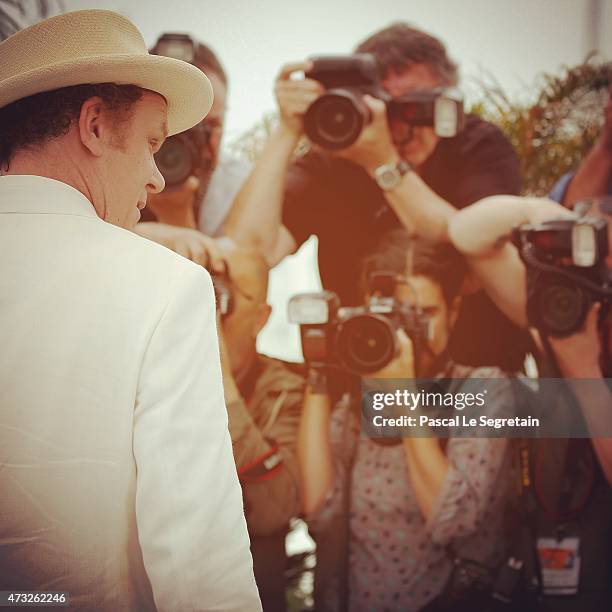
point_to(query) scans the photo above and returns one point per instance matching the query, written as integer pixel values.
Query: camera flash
(308, 310)
(584, 247)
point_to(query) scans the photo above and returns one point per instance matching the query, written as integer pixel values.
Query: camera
(336, 118)
(360, 339)
(185, 154)
(566, 271)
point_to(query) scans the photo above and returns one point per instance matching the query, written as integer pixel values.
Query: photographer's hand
(189, 243)
(374, 147)
(294, 96)
(403, 365)
(578, 354)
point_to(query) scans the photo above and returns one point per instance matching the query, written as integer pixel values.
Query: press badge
(560, 564)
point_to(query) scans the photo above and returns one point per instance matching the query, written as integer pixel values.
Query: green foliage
(553, 133)
(250, 144)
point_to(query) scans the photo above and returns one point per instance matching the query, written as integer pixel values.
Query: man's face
(414, 144)
(130, 173)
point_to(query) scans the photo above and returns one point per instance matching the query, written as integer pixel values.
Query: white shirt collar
(29, 194)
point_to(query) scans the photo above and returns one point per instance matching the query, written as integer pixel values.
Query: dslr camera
(187, 153)
(335, 119)
(566, 271)
(362, 339)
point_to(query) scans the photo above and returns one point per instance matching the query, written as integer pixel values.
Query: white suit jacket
(117, 480)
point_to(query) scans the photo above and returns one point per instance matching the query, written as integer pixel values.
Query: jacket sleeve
(189, 514)
(270, 494)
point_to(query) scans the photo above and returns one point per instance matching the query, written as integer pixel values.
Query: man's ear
(91, 126)
(261, 318)
(453, 311)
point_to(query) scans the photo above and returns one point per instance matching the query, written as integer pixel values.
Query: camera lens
(365, 343)
(335, 120)
(561, 308)
(176, 160)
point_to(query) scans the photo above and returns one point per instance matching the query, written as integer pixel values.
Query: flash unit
(313, 308)
(584, 254)
(177, 46)
(448, 115)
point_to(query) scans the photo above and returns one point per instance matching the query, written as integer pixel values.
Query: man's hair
(400, 45)
(205, 58)
(34, 120)
(397, 251)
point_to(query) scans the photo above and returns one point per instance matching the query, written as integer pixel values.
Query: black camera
(335, 119)
(184, 155)
(187, 153)
(361, 339)
(566, 271)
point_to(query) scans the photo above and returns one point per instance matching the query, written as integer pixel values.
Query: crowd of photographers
(432, 266)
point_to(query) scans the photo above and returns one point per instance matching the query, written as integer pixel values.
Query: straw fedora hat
(98, 46)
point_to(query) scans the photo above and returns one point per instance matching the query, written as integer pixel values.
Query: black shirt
(342, 205)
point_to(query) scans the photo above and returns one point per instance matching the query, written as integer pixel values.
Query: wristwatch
(389, 176)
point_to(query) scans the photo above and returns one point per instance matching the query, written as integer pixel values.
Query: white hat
(96, 46)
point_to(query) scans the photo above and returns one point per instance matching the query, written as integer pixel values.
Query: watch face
(389, 178)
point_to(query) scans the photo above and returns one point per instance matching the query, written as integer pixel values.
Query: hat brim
(187, 90)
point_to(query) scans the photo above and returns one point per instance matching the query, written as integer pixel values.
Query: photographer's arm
(577, 357)
(255, 218)
(482, 232)
(314, 451)
(418, 207)
(595, 172)
(428, 467)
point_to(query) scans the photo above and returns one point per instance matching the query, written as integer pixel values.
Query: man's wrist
(286, 135)
(389, 176)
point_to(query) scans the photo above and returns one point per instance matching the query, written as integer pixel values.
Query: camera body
(187, 153)
(361, 339)
(184, 155)
(336, 118)
(566, 271)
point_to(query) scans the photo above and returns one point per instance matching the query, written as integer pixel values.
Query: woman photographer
(408, 507)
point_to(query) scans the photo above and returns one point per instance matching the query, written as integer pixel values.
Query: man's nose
(156, 183)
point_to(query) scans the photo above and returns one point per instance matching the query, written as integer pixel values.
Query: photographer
(396, 173)
(414, 505)
(201, 182)
(574, 499)
(264, 401)
(594, 175)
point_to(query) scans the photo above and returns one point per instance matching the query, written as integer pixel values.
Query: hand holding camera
(336, 119)
(362, 340)
(566, 272)
(294, 96)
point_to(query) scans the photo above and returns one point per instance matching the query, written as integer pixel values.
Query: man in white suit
(117, 481)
